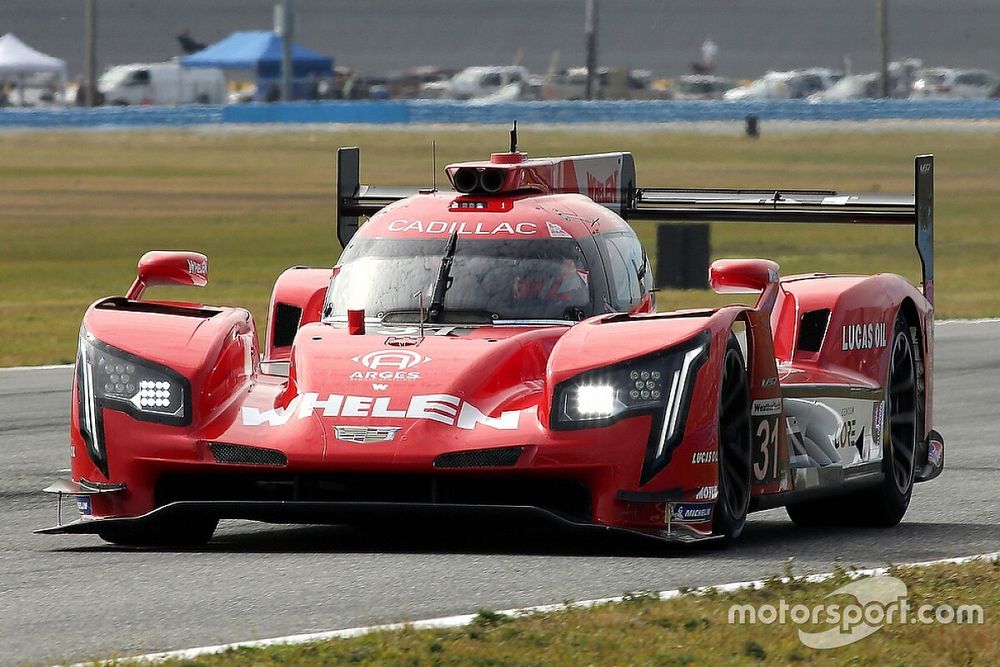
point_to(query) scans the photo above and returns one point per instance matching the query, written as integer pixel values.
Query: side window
(140, 77)
(645, 272)
(626, 262)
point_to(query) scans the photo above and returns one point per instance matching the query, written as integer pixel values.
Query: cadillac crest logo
(365, 435)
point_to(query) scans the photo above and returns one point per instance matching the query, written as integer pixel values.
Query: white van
(162, 83)
(497, 84)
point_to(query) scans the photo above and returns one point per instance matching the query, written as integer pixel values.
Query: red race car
(494, 350)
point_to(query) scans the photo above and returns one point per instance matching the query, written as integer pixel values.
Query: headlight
(111, 378)
(659, 384)
(128, 383)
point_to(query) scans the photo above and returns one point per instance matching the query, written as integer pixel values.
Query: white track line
(982, 320)
(446, 622)
(35, 368)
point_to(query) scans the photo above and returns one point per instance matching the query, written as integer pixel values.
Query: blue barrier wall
(437, 111)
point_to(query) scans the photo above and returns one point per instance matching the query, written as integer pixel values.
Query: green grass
(688, 630)
(78, 209)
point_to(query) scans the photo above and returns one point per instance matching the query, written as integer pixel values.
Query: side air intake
(498, 457)
(244, 455)
(812, 329)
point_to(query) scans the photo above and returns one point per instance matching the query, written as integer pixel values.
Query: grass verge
(78, 209)
(686, 630)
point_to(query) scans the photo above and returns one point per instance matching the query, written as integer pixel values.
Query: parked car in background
(805, 82)
(853, 87)
(793, 84)
(771, 86)
(501, 82)
(701, 87)
(407, 83)
(942, 82)
(610, 83)
(162, 83)
(869, 85)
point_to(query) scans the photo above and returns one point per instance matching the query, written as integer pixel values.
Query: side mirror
(169, 267)
(742, 276)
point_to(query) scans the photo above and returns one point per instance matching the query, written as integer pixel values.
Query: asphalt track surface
(67, 598)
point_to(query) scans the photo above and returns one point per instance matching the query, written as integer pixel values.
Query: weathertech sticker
(767, 406)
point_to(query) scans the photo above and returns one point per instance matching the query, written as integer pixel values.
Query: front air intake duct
(472, 180)
(491, 180)
(466, 180)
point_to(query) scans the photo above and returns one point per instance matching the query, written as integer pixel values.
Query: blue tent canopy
(260, 51)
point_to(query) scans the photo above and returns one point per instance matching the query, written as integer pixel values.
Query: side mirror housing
(169, 267)
(742, 276)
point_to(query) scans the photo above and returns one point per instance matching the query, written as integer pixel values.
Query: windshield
(113, 77)
(495, 279)
(467, 78)
(935, 78)
(852, 85)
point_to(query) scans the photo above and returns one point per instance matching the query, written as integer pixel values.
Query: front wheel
(733, 501)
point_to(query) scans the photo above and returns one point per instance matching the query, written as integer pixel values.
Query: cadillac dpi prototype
(493, 351)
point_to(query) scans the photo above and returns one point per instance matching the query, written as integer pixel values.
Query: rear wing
(698, 205)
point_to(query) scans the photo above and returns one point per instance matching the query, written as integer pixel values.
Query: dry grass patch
(78, 209)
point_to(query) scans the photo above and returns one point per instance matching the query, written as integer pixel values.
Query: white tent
(19, 59)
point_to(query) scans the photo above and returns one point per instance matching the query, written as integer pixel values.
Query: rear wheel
(883, 505)
(733, 499)
(189, 532)
(892, 498)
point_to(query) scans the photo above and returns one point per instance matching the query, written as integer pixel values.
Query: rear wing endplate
(706, 205)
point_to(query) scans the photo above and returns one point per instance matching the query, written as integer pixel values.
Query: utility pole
(882, 20)
(284, 24)
(590, 30)
(90, 52)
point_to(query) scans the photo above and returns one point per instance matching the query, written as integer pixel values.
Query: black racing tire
(885, 504)
(733, 501)
(189, 532)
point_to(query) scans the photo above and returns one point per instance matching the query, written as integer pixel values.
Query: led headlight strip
(92, 435)
(678, 390)
(659, 384)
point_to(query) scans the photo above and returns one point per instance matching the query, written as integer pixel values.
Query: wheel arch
(923, 353)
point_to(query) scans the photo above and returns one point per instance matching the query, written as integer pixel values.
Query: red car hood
(494, 369)
(407, 398)
(403, 398)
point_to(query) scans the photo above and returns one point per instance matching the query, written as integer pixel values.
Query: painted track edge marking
(446, 622)
(47, 367)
